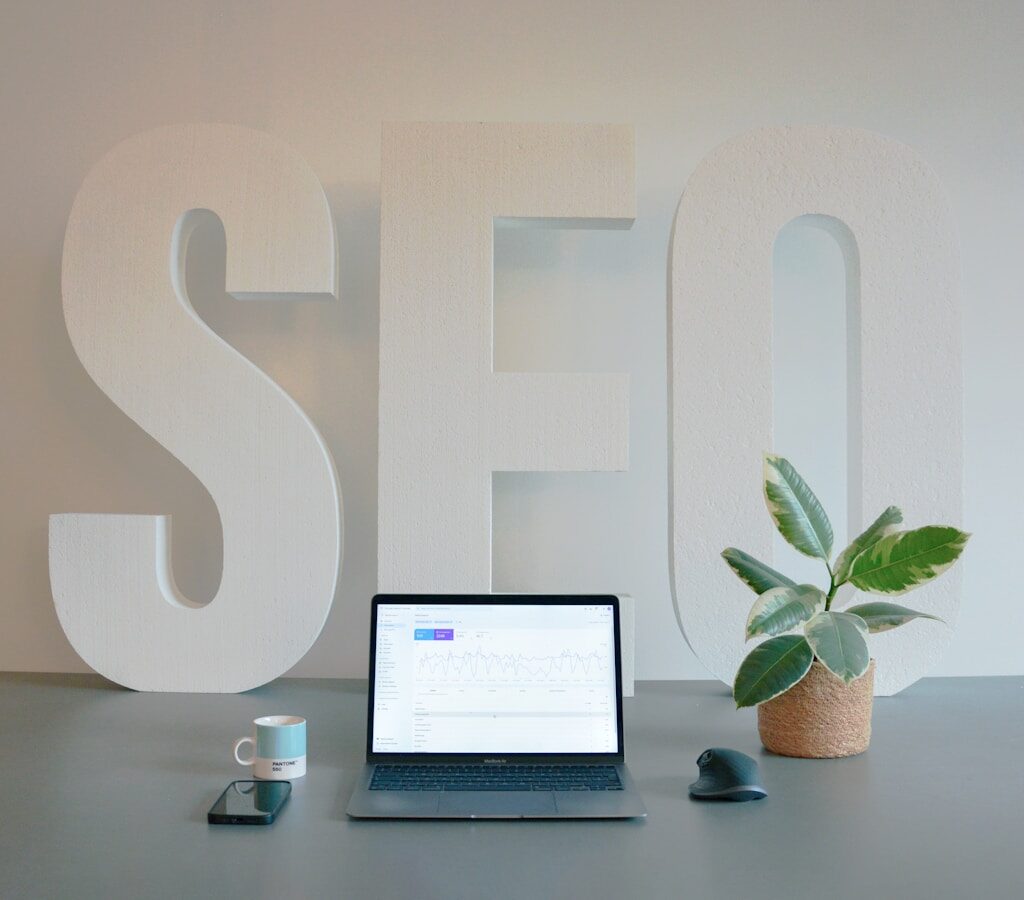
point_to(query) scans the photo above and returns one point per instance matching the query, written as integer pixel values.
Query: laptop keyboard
(495, 778)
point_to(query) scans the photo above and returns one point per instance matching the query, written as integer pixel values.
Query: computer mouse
(727, 775)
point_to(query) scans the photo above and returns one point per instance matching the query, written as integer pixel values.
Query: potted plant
(813, 689)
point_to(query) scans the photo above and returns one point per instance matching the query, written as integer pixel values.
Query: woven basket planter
(820, 717)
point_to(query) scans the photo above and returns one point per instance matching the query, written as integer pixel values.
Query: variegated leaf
(900, 562)
(758, 576)
(885, 524)
(771, 669)
(797, 513)
(838, 640)
(882, 616)
(780, 609)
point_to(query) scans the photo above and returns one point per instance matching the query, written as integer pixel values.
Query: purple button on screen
(444, 634)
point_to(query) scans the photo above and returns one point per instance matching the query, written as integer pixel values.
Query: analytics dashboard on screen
(493, 678)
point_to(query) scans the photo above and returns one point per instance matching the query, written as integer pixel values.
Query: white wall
(944, 77)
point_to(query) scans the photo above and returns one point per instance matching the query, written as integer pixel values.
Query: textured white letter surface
(263, 462)
(447, 419)
(905, 424)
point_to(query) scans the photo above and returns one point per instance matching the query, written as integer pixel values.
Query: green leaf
(754, 573)
(837, 639)
(900, 562)
(782, 608)
(881, 616)
(772, 668)
(796, 511)
(885, 524)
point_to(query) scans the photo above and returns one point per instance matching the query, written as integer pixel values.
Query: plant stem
(832, 587)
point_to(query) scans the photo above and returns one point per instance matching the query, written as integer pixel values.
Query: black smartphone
(249, 803)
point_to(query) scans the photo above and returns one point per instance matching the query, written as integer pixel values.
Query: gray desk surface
(105, 794)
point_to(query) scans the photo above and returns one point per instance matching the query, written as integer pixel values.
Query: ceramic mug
(279, 748)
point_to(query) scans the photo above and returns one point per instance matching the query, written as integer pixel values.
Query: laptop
(495, 707)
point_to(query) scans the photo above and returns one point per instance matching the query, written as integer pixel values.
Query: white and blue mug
(279, 748)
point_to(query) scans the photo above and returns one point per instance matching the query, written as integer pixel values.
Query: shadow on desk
(65, 681)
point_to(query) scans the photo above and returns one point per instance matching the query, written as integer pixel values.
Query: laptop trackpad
(482, 804)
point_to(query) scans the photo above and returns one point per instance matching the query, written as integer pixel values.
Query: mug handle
(238, 746)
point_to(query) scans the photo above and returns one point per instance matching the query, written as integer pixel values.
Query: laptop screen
(501, 678)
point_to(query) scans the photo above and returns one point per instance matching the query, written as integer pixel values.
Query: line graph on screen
(577, 666)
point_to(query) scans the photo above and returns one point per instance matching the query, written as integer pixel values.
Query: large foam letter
(447, 419)
(263, 462)
(906, 421)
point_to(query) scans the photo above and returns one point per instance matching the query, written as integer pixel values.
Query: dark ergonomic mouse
(727, 775)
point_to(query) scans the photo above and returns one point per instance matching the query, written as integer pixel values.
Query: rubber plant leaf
(838, 640)
(781, 609)
(797, 513)
(882, 616)
(902, 561)
(884, 525)
(758, 576)
(772, 668)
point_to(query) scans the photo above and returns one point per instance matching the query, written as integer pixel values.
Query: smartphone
(249, 803)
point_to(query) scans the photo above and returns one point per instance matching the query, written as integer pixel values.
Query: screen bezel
(498, 757)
